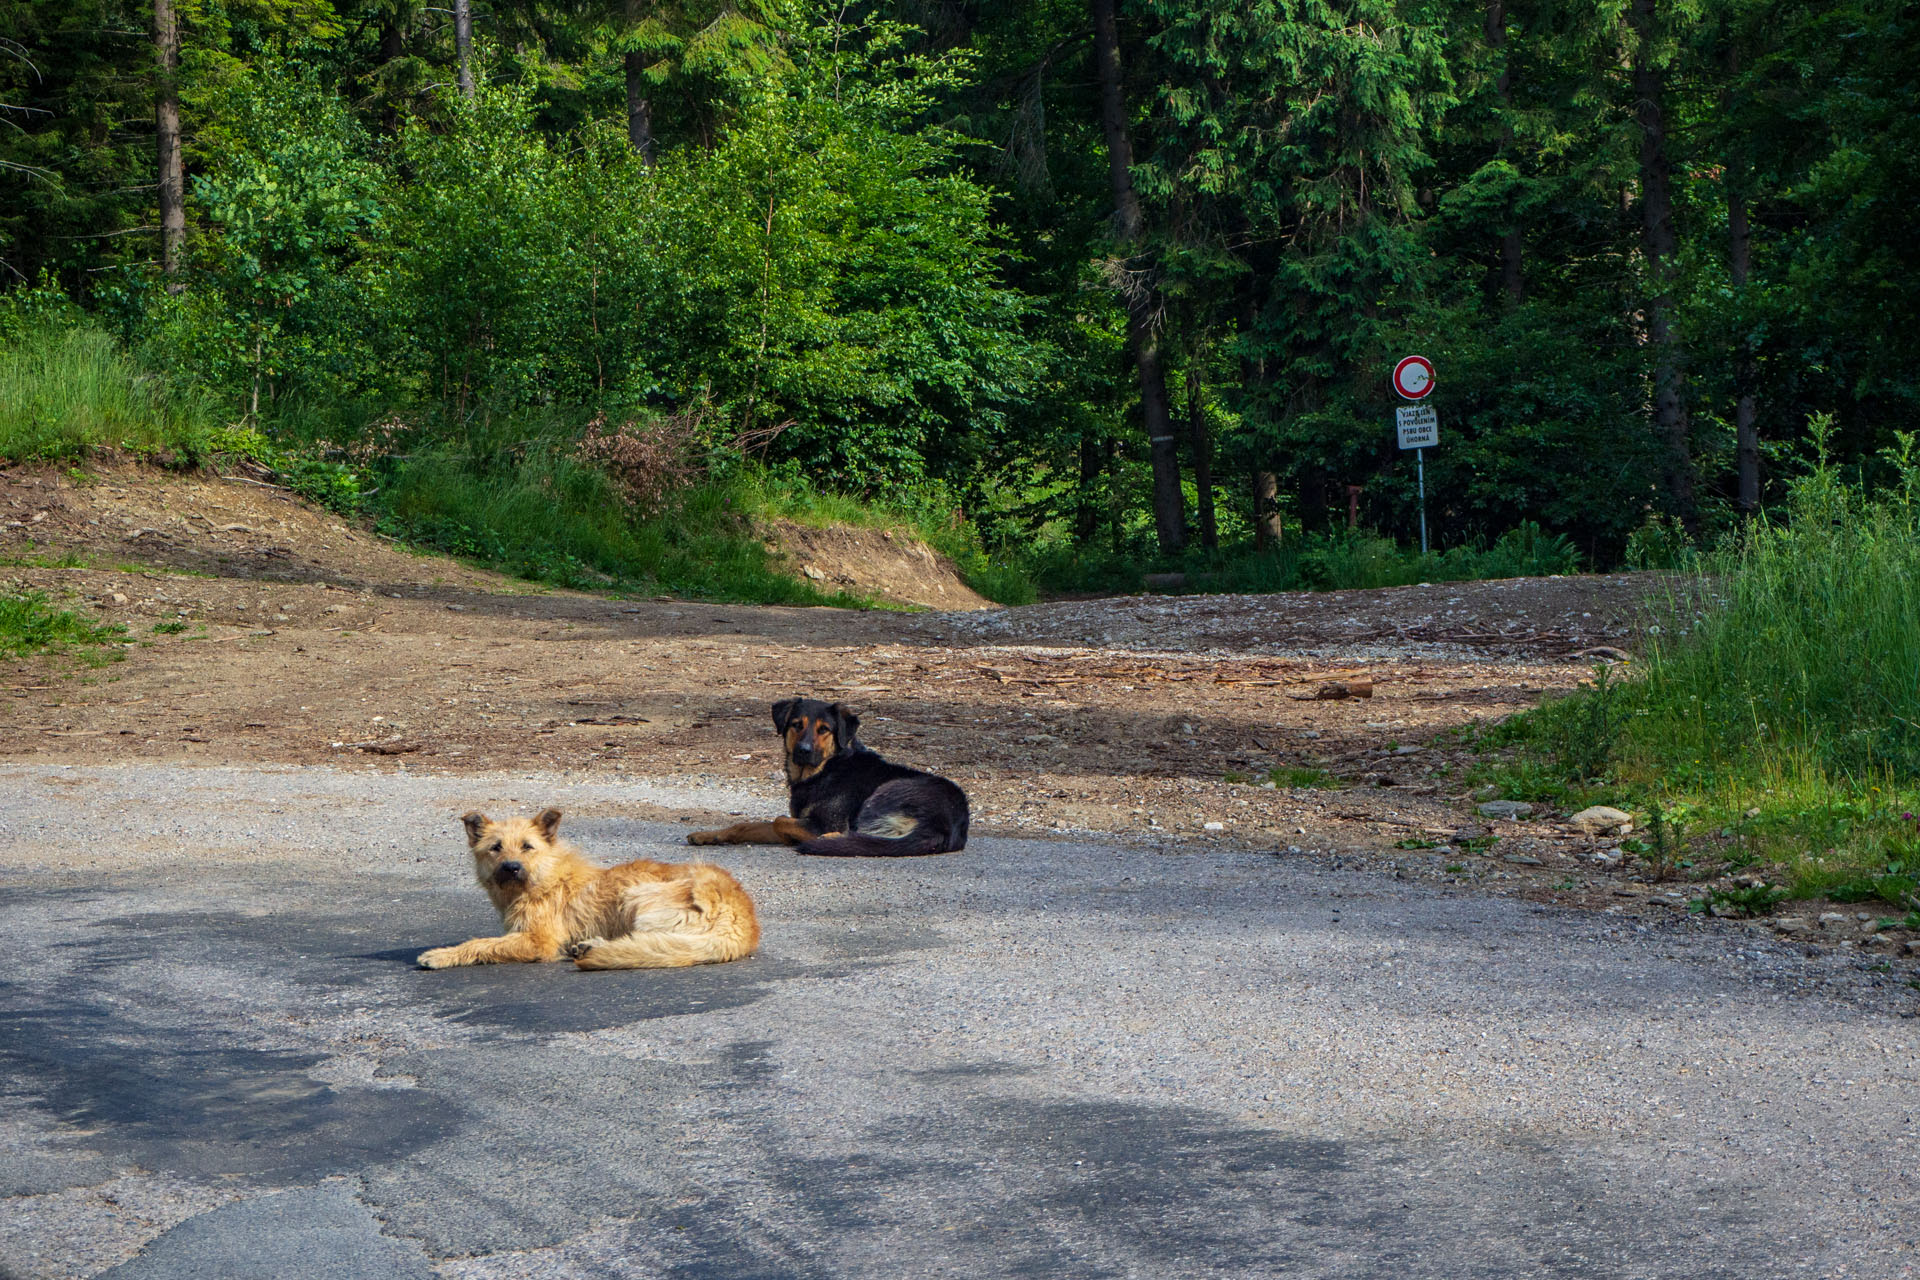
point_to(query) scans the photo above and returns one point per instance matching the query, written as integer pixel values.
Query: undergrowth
(1345, 560)
(1774, 722)
(667, 502)
(554, 519)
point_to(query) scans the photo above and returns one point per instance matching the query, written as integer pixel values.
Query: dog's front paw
(703, 837)
(438, 958)
(578, 951)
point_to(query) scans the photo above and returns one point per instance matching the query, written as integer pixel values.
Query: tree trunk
(1662, 244)
(1746, 436)
(1253, 377)
(392, 46)
(166, 121)
(463, 44)
(1745, 410)
(639, 109)
(1512, 283)
(1266, 510)
(1086, 519)
(1143, 303)
(1202, 442)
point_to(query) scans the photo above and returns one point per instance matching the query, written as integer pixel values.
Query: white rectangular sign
(1419, 426)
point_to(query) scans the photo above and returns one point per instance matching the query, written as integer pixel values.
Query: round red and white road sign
(1413, 378)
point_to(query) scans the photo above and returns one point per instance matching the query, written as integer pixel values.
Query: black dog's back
(886, 810)
(909, 814)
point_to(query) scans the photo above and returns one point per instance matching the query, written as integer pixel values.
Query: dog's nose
(509, 872)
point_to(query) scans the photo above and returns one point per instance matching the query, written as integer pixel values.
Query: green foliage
(1582, 732)
(1801, 638)
(550, 517)
(30, 625)
(1348, 560)
(1749, 900)
(814, 276)
(290, 197)
(1661, 542)
(1896, 882)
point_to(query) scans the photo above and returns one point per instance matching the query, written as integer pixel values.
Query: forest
(1083, 288)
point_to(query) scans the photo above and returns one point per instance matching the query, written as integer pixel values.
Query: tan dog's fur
(638, 915)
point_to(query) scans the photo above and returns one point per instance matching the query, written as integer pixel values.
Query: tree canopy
(1118, 275)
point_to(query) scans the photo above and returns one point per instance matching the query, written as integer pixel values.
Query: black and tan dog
(845, 800)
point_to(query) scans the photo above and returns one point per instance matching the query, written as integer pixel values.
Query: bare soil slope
(885, 564)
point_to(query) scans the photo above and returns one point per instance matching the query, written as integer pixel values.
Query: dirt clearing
(266, 631)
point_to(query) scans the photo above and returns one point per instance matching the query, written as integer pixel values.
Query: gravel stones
(1506, 810)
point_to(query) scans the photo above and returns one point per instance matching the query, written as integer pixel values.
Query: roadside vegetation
(661, 502)
(67, 387)
(1773, 725)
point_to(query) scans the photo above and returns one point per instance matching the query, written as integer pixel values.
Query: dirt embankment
(265, 631)
(884, 564)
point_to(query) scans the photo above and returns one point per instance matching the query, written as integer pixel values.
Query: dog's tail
(917, 843)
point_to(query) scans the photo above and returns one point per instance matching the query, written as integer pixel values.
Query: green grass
(65, 391)
(1775, 719)
(1304, 778)
(31, 625)
(553, 519)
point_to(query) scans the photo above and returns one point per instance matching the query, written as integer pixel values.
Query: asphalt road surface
(1034, 1058)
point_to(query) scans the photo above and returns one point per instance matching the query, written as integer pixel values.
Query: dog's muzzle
(509, 872)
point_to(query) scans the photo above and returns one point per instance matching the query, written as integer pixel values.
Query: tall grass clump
(66, 389)
(1800, 640)
(1776, 714)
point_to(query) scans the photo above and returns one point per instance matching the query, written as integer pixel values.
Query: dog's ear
(546, 823)
(783, 714)
(845, 724)
(475, 823)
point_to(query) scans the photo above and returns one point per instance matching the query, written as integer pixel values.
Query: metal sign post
(1417, 424)
(1420, 458)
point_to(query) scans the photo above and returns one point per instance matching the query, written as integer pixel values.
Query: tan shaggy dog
(638, 915)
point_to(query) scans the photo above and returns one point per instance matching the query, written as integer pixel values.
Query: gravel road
(1034, 1058)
